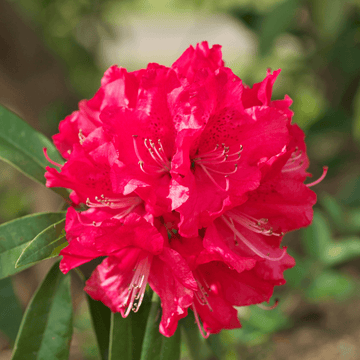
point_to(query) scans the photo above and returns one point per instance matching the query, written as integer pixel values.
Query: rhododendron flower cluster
(188, 180)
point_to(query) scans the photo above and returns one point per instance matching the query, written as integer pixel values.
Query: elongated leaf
(156, 346)
(17, 234)
(195, 343)
(22, 147)
(45, 245)
(11, 313)
(342, 251)
(100, 315)
(46, 329)
(126, 335)
(120, 338)
(317, 237)
(215, 344)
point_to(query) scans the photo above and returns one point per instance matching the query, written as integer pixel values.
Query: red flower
(191, 179)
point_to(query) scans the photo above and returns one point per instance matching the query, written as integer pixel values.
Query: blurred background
(54, 52)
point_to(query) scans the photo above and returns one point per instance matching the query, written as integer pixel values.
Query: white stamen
(120, 203)
(295, 162)
(161, 162)
(214, 158)
(82, 137)
(256, 225)
(248, 244)
(138, 284)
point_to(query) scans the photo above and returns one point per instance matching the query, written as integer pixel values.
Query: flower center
(137, 286)
(125, 203)
(254, 225)
(257, 225)
(220, 156)
(203, 292)
(295, 161)
(160, 163)
(82, 137)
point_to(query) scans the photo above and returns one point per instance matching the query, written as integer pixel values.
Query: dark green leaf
(156, 346)
(45, 245)
(17, 234)
(138, 322)
(22, 147)
(100, 315)
(46, 329)
(11, 313)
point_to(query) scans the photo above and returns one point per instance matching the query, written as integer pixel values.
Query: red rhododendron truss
(189, 179)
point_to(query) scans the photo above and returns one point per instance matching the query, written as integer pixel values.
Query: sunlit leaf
(17, 234)
(46, 329)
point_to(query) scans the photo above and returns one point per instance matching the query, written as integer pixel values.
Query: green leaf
(195, 343)
(11, 313)
(276, 22)
(333, 209)
(317, 237)
(215, 344)
(342, 251)
(45, 245)
(330, 285)
(156, 346)
(100, 315)
(22, 147)
(46, 329)
(267, 321)
(17, 234)
(329, 17)
(121, 341)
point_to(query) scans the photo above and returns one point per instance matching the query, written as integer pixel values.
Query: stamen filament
(136, 148)
(49, 160)
(206, 334)
(138, 284)
(213, 181)
(256, 225)
(321, 178)
(249, 245)
(264, 307)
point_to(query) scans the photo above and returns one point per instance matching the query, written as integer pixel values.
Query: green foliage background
(317, 45)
